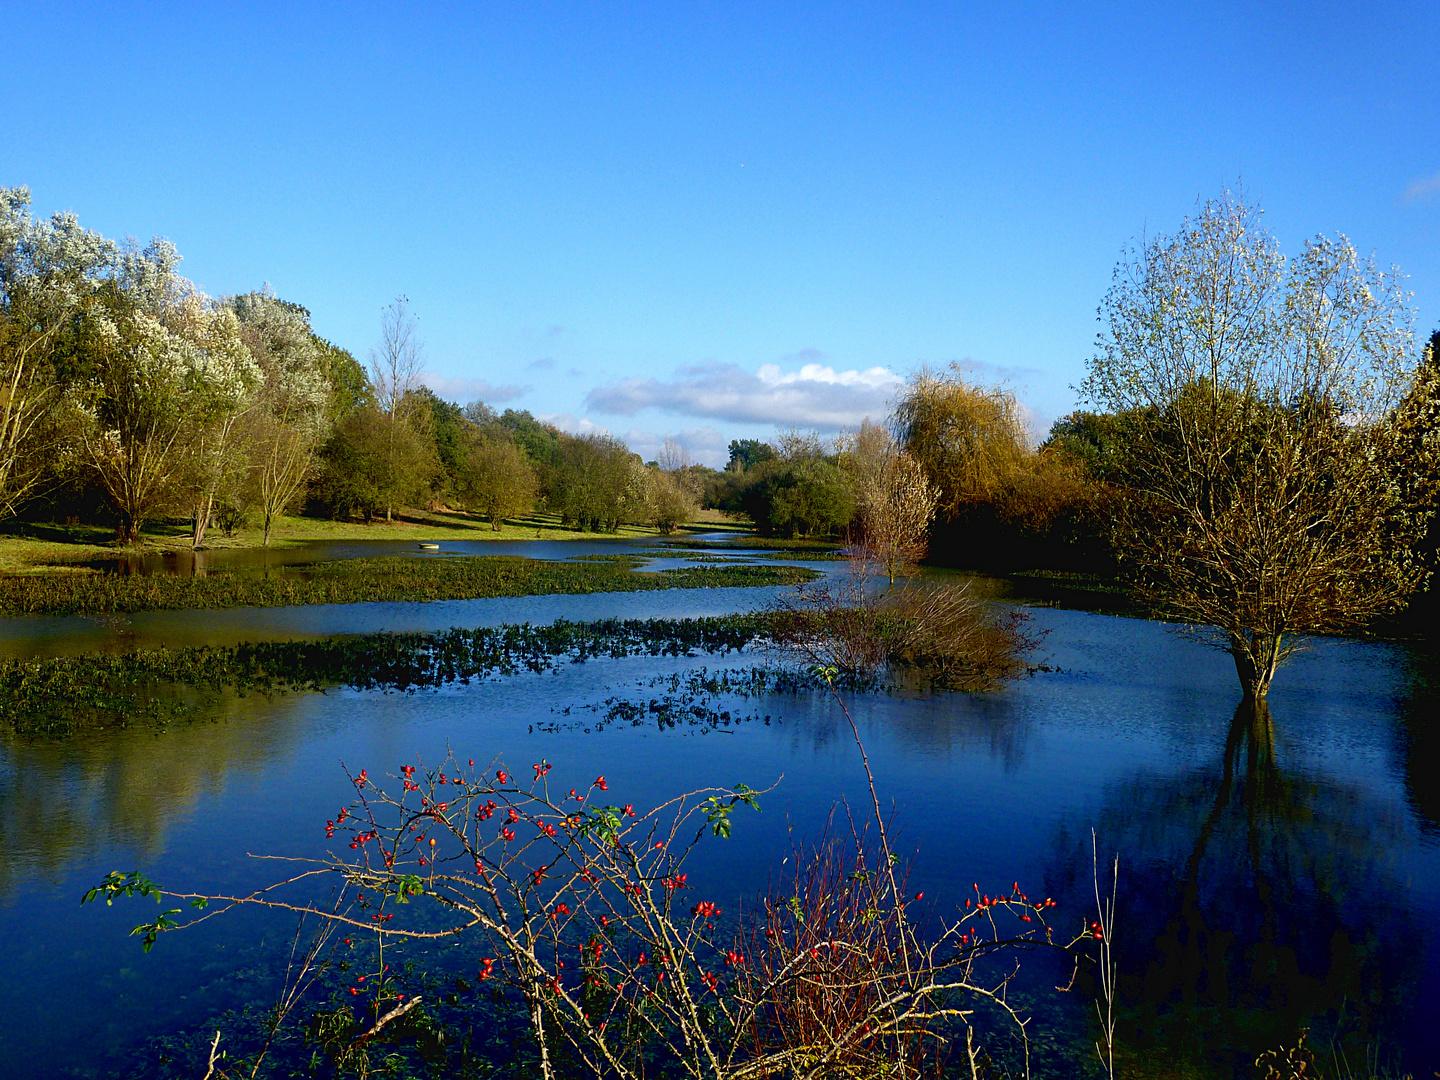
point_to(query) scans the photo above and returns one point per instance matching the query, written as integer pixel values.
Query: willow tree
(163, 372)
(50, 272)
(1263, 496)
(970, 440)
(289, 420)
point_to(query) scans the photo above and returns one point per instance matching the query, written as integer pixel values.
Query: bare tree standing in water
(1265, 467)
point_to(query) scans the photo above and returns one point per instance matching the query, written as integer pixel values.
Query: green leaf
(116, 884)
(153, 930)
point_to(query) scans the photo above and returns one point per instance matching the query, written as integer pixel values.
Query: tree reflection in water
(66, 801)
(1419, 737)
(1254, 901)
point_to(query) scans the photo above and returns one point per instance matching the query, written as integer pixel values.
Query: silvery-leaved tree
(163, 379)
(1265, 500)
(50, 272)
(289, 419)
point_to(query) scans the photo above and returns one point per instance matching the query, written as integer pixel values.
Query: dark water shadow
(1256, 901)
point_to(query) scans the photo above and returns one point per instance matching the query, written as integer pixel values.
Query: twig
(214, 1049)
(393, 1014)
(1106, 910)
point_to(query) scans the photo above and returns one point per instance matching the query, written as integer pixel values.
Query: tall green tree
(747, 453)
(350, 387)
(541, 442)
(450, 430)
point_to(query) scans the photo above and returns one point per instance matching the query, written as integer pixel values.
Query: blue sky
(713, 221)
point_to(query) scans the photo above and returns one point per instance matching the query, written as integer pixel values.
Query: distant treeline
(126, 396)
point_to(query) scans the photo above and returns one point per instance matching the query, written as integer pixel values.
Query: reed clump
(923, 633)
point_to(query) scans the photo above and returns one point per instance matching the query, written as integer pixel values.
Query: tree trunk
(1256, 656)
(266, 541)
(127, 529)
(202, 521)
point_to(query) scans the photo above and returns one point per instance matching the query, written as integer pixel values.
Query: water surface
(1271, 876)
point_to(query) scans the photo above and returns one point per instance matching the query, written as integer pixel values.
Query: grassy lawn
(744, 540)
(41, 548)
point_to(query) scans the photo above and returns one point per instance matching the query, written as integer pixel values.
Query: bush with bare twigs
(934, 633)
(620, 964)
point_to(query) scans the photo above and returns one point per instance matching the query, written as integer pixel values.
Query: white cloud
(816, 396)
(998, 372)
(466, 390)
(705, 445)
(572, 424)
(545, 363)
(1422, 189)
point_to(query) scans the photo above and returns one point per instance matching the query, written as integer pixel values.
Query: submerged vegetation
(353, 581)
(64, 694)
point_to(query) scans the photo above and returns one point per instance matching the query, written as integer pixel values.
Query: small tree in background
(895, 500)
(590, 486)
(395, 368)
(969, 440)
(1265, 501)
(495, 480)
(369, 464)
(671, 502)
(289, 420)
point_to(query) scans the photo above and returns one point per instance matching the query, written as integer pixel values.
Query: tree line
(1258, 452)
(128, 396)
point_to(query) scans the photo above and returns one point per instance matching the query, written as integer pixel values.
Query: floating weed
(63, 694)
(353, 581)
(694, 699)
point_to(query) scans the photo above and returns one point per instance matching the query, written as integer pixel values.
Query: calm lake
(1271, 877)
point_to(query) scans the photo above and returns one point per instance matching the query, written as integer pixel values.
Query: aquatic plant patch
(351, 581)
(808, 550)
(63, 694)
